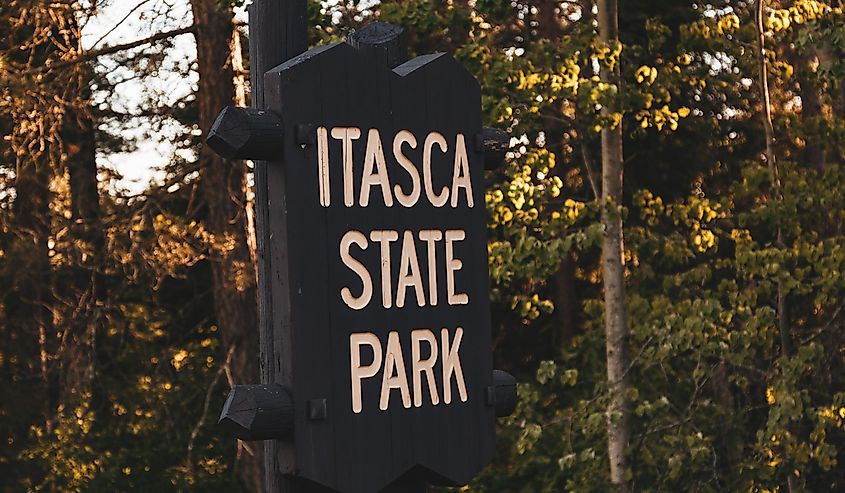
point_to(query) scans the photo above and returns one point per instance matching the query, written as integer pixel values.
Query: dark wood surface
(336, 86)
(382, 42)
(258, 412)
(504, 393)
(246, 133)
(495, 143)
(278, 31)
(304, 326)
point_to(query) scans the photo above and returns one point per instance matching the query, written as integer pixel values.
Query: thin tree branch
(588, 165)
(108, 50)
(208, 395)
(175, 180)
(119, 23)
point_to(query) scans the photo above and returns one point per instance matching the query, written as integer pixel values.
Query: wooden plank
(453, 111)
(348, 104)
(309, 251)
(373, 111)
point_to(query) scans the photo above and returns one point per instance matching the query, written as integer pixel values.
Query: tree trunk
(771, 161)
(566, 301)
(223, 185)
(82, 359)
(613, 264)
(79, 359)
(730, 454)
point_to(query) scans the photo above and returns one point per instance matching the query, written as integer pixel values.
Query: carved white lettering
(375, 169)
(407, 200)
(384, 238)
(453, 265)
(394, 376)
(359, 372)
(347, 135)
(436, 199)
(323, 165)
(431, 237)
(460, 175)
(355, 302)
(375, 155)
(452, 365)
(409, 272)
(420, 366)
(426, 353)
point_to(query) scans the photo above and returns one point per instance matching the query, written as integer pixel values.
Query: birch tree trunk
(613, 263)
(774, 173)
(771, 160)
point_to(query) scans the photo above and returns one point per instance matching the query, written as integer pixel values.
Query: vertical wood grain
(277, 31)
(387, 441)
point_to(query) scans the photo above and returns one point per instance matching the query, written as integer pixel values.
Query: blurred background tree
(126, 315)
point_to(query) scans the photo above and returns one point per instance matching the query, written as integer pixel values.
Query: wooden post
(382, 42)
(278, 30)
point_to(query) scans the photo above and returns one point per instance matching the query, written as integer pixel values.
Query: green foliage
(718, 405)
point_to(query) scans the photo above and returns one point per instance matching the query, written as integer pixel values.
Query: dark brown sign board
(379, 280)
(387, 260)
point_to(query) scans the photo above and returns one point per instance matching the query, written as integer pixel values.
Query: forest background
(126, 313)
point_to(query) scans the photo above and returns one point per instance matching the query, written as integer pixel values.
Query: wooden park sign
(377, 240)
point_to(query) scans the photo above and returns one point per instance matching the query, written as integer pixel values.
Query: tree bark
(613, 264)
(223, 185)
(566, 301)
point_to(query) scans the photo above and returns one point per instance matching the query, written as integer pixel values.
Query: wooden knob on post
(258, 412)
(502, 394)
(494, 143)
(247, 133)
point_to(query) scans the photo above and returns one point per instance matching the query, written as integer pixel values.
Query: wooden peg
(258, 412)
(502, 394)
(246, 133)
(494, 143)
